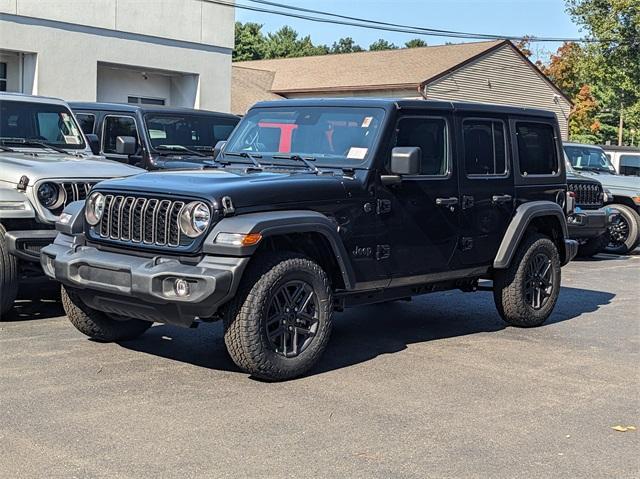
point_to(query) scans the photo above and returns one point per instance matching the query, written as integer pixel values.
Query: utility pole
(621, 125)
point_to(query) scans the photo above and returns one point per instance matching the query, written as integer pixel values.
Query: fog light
(182, 288)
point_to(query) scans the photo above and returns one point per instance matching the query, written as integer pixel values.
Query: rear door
(487, 192)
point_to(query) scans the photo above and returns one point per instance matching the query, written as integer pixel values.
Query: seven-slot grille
(76, 190)
(588, 195)
(141, 220)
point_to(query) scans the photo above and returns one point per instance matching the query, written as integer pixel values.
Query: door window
(86, 120)
(484, 147)
(537, 151)
(115, 126)
(430, 135)
(3, 76)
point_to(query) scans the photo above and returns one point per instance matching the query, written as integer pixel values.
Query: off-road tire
(98, 325)
(508, 284)
(244, 319)
(9, 278)
(632, 219)
(593, 246)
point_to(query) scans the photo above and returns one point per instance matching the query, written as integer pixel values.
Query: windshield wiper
(178, 148)
(589, 168)
(307, 161)
(245, 154)
(32, 142)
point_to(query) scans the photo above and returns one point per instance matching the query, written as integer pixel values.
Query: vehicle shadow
(36, 300)
(362, 334)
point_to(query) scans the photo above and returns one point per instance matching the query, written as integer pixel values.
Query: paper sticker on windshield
(367, 121)
(71, 140)
(356, 153)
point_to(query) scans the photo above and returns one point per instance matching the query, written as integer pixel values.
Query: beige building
(172, 52)
(488, 72)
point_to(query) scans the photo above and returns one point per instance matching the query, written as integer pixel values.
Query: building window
(138, 100)
(3, 76)
(430, 135)
(484, 147)
(115, 126)
(87, 121)
(537, 153)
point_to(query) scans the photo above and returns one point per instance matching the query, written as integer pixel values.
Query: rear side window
(430, 135)
(484, 147)
(115, 126)
(537, 150)
(87, 121)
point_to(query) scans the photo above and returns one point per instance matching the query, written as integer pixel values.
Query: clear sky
(502, 17)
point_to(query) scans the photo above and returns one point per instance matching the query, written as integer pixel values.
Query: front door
(486, 187)
(421, 213)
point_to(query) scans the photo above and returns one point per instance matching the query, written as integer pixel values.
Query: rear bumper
(587, 224)
(143, 288)
(26, 245)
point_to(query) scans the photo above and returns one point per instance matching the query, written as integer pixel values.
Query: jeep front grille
(76, 190)
(149, 221)
(588, 195)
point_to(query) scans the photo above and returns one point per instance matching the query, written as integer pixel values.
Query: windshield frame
(176, 154)
(611, 169)
(59, 108)
(267, 158)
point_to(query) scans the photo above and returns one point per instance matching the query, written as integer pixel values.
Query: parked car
(591, 161)
(45, 164)
(154, 137)
(372, 200)
(625, 159)
(590, 222)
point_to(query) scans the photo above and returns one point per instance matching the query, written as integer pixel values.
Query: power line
(380, 26)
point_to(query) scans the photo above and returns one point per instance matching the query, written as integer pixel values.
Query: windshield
(342, 135)
(179, 132)
(22, 121)
(588, 158)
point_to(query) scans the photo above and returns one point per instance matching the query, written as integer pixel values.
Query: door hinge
(467, 202)
(466, 243)
(383, 207)
(383, 251)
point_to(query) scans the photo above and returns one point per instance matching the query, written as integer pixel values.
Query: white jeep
(45, 163)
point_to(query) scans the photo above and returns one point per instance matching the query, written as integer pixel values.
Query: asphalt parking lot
(438, 387)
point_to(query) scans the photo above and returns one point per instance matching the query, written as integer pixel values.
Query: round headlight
(194, 219)
(94, 208)
(50, 195)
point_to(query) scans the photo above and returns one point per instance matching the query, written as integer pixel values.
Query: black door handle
(447, 201)
(497, 199)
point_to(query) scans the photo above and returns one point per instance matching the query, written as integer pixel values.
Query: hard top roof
(130, 108)
(31, 98)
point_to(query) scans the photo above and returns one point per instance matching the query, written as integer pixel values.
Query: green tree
(382, 44)
(286, 43)
(249, 42)
(415, 43)
(345, 45)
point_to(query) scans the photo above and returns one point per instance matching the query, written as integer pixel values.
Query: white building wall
(188, 39)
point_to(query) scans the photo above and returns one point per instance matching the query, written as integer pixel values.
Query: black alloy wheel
(292, 318)
(618, 232)
(538, 284)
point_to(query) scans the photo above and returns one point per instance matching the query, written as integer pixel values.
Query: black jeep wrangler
(317, 205)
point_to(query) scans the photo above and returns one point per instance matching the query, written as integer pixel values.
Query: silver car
(45, 163)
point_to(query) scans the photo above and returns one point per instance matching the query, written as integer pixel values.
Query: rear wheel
(624, 232)
(99, 325)
(527, 291)
(8, 276)
(279, 324)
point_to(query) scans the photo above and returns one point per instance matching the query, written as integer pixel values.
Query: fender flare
(274, 223)
(14, 196)
(525, 213)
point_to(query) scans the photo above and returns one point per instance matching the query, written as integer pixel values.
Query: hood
(245, 189)
(573, 177)
(39, 165)
(614, 181)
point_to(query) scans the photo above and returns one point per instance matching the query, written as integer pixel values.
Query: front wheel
(624, 232)
(280, 322)
(99, 325)
(8, 276)
(527, 291)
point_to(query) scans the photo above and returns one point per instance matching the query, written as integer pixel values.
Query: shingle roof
(250, 86)
(366, 70)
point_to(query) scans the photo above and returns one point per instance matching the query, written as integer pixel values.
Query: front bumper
(585, 224)
(26, 245)
(142, 287)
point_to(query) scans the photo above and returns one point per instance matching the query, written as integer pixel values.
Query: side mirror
(405, 160)
(125, 145)
(94, 143)
(218, 148)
